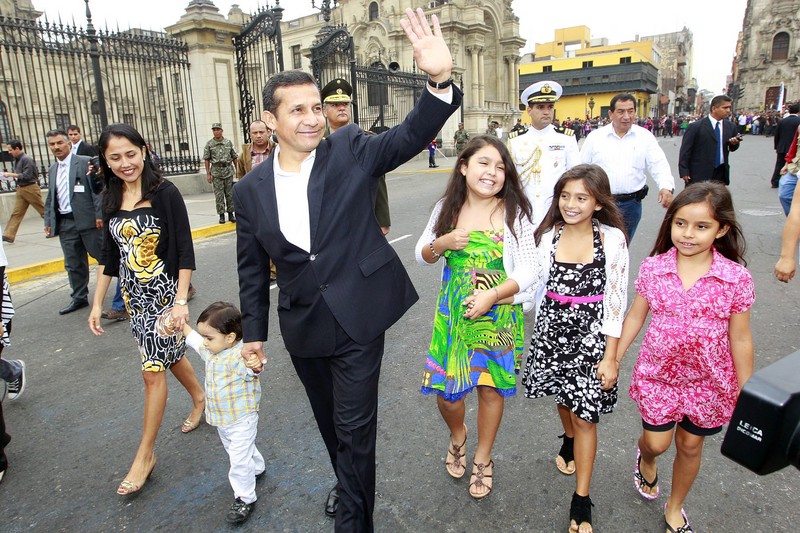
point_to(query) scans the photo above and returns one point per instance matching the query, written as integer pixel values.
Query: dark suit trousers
(75, 245)
(776, 174)
(343, 392)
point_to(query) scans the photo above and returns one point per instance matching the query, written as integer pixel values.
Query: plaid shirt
(259, 157)
(232, 390)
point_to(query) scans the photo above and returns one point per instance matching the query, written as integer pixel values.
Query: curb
(46, 268)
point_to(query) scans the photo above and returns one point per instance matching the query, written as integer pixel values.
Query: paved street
(76, 429)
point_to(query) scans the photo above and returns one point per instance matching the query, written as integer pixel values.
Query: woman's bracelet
(496, 295)
(435, 255)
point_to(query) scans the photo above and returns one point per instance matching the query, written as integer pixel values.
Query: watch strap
(440, 85)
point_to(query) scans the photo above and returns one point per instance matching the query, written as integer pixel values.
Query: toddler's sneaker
(239, 511)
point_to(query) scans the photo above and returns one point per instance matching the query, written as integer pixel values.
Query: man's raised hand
(430, 51)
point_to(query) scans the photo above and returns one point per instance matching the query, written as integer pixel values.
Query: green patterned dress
(486, 351)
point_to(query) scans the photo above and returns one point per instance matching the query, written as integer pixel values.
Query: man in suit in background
(79, 147)
(309, 208)
(707, 143)
(73, 212)
(784, 134)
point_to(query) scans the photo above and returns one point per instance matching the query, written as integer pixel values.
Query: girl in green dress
(482, 227)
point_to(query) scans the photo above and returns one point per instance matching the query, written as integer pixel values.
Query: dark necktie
(718, 155)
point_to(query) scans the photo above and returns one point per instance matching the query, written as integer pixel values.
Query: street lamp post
(591, 107)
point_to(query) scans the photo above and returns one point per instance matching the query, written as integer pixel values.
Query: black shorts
(686, 424)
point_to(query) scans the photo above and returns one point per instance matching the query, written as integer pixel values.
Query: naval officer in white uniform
(542, 154)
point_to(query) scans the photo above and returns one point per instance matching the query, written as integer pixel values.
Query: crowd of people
(535, 229)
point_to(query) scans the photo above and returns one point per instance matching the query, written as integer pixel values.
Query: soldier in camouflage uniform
(221, 160)
(460, 138)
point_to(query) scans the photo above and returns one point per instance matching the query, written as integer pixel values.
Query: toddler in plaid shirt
(232, 395)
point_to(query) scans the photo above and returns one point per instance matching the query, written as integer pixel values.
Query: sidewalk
(32, 255)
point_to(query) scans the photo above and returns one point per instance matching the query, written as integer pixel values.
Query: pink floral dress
(685, 366)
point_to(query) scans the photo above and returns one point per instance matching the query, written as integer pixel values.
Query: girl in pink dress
(697, 352)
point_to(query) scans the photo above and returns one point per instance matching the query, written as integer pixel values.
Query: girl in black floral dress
(582, 244)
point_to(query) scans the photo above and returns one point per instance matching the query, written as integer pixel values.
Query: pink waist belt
(574, 300)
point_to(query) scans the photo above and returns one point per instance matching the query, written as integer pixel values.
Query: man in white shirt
(626, 151)
(541, 154)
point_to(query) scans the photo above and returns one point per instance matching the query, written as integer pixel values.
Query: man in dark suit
(73, 212)
(707, 143)
(79, 146)
(784, 134)
(309, 208)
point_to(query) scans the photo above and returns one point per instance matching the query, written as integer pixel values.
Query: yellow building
(592, 72)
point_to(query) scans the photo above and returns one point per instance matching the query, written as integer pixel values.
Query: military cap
(542, 92)
(338, 90)
(216, 126)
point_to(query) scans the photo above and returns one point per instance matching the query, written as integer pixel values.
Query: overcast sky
(715, 25)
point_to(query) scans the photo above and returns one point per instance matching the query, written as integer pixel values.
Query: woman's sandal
(126, 488)
(480, 475)
(458, 452)
(580, 511)
(566, 455)
(685, 528)
(639, 481)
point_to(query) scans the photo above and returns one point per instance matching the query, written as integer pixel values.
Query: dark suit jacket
(86, 205)
(86, 149)
(784, 133)
(352, 275)
(696, 158)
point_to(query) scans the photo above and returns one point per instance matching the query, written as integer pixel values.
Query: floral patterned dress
(567, 341)
(148, 290)
(685, 367)
(485, 351)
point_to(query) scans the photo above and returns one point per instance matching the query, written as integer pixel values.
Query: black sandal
(580, 510)
(567, 454)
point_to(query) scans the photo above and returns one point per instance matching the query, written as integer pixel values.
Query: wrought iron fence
(381, 97)
(47, 81)
(259, 54)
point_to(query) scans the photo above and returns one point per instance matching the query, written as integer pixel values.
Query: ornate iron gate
(381, 97)
(259, 54)
(386, 96)
(47, 81)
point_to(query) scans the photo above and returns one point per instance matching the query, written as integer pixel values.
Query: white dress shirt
(62, 186)
(291, 193)
(721, 133)
(626, 159)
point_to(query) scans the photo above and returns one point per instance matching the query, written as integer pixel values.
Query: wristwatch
(440, 85)
(181, 302)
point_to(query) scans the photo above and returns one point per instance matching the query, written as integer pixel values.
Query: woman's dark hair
(515, 202)
(595, 180)
(151, 175)
(223, 317)
(719, 201)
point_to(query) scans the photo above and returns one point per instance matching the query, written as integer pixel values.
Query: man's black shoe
(222, 219)
(74, 306)
(332, 504)
(239, 511)
(231, 217)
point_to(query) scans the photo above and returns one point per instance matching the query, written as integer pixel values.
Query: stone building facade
(676, 87)
(483, 36)
(768, 55)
